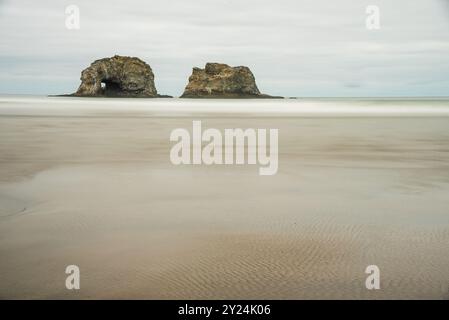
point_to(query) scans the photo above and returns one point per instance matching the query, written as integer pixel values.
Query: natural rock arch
(117, 76)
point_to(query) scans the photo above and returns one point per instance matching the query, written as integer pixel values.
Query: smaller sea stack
(218, 80)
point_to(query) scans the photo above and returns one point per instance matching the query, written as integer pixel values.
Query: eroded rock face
(219, 80)
(118, 76)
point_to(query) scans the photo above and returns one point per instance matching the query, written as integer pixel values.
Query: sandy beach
(89, 182)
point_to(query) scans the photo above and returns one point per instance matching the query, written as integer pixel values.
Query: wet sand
(92, 185)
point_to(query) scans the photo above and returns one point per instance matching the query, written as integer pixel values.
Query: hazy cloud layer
(295, 48)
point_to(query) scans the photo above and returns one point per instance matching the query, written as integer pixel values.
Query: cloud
(294, 47)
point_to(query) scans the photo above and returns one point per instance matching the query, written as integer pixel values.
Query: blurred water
(360, 107)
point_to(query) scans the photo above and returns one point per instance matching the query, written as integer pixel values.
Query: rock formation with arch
(118, 76)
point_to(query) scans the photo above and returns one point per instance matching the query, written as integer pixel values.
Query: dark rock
(219, 80)
(118, 76)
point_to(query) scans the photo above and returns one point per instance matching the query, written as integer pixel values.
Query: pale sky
(294, 47)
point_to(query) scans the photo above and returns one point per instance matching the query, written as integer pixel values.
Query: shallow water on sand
(89, 182)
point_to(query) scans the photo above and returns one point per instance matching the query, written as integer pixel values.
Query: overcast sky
(293, 47)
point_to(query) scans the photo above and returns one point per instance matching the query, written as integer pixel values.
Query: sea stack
(218, 80)
(118, 76)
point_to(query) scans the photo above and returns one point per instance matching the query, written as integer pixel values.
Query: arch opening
(110, 88)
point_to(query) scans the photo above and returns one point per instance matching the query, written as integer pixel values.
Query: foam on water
(359, 107)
